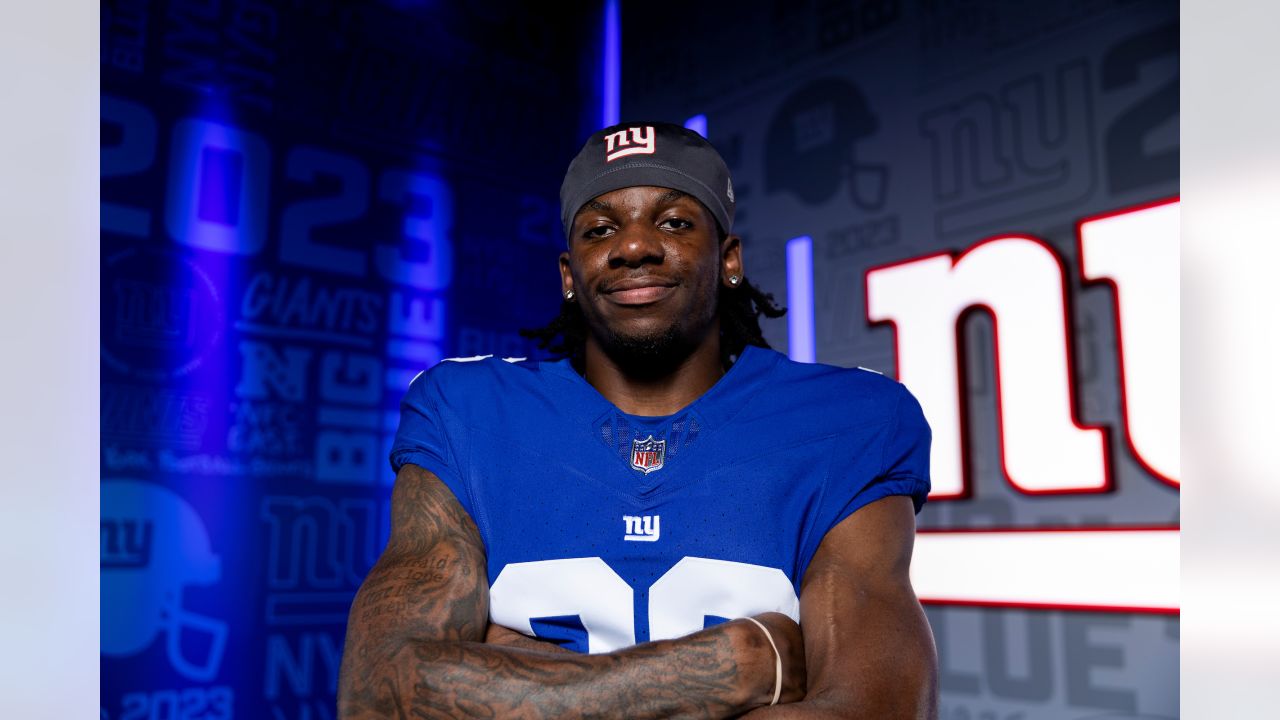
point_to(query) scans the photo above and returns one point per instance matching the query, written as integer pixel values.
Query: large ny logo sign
(679, 602)
(1023, 284)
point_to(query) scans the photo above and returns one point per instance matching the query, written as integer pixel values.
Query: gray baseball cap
(648, 153)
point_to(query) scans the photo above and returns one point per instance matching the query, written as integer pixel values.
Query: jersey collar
(730, 394)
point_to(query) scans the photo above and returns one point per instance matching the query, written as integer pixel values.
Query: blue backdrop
(306, 203)
(303, 205)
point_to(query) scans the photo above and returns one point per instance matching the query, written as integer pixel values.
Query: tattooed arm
(416, 641)
(498, 635)
(869, 647)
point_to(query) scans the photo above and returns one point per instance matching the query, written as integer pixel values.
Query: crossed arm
(868, 646)
(419, 643)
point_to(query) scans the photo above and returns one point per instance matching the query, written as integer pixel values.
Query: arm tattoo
(428, 585)
(498, 635)
(694, 677)
(415, 637)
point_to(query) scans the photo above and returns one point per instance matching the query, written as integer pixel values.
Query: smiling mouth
(639, 292)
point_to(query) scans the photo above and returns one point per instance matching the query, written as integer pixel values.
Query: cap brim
(636, 174)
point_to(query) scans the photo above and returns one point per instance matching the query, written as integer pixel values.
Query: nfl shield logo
(647, 455)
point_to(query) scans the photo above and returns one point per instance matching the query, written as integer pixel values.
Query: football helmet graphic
(153, 547)
(810, 149)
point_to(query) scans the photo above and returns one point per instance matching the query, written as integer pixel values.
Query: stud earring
(734, 279)
(568, 296)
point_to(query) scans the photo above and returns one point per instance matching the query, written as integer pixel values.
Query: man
(635, 530)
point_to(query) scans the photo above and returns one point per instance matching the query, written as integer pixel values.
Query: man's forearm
(716, 673)
(414, 641)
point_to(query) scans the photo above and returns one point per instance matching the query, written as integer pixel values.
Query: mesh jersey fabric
(594, 552)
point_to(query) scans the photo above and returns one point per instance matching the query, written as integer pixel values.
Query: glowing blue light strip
(801, 345)
(698, 124)
(612, 110)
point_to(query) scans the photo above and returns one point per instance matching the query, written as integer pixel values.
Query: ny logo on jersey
(642, 528)
(648, 455)
(641, 142)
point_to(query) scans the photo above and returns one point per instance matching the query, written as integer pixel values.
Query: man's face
(645, 264)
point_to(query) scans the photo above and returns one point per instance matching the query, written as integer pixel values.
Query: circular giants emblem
(161, 314)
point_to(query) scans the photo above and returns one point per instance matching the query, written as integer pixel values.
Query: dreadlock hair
(740, 310)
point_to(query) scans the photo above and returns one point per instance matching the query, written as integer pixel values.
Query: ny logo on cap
(619, 145)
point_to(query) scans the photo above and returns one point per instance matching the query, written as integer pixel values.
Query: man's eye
(677, 223)
(598, 231)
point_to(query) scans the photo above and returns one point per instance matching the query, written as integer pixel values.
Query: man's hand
(785, 632)
(787, 636)
(869, 647)
(417, 630)
(498, 635)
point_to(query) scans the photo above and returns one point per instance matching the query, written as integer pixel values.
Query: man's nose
(635, 246)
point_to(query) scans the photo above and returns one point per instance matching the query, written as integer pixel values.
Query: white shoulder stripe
(477, 358)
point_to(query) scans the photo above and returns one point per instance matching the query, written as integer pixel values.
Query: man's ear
(731, 259)
(566, 277)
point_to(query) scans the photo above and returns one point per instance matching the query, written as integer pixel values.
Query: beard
(654, 350)
(648, 355)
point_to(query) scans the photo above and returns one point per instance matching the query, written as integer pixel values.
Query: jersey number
(680, 602)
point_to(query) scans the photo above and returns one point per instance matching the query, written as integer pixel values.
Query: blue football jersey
(604, 529)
